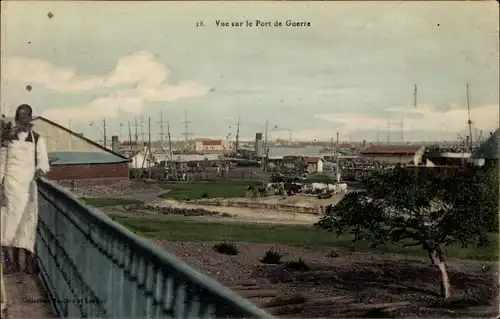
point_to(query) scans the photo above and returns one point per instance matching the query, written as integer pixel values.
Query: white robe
(19, 214)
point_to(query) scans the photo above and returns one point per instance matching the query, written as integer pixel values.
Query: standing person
(27, 159)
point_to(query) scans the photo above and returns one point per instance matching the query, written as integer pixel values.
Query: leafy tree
(418, 207)
(489, 193)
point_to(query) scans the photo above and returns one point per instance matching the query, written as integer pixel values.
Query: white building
(139, 160)
(314, 164)
(394, 154)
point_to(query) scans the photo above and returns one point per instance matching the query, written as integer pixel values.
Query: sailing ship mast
(130, 136)
(169, 140)
(469, 122)
(337, 166)
(237, 136)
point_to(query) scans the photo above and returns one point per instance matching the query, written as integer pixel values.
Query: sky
(353, 70)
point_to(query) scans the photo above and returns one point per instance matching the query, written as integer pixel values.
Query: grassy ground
(281, 234)
(103, 202)
(190, 191)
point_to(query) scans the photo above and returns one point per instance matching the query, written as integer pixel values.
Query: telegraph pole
(390, 123)
(186, 131)
(337, 165)
(415, 97)
(135, 127)
(104, 130)
(150, 156)
(388, 130)
(161, 128)
(265, 136)
(237, 135)
(142, 130)
(402, 129)
(169, 140)
(337, 147)
(289, 136)
(129, 136)
(265, 146)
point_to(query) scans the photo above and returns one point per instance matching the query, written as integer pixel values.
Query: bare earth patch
(344, 284)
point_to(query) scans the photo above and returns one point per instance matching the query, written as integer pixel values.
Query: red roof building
(211, 142)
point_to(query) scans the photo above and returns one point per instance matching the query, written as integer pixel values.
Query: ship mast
(469, 122)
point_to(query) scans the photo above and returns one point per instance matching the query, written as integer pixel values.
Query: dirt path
(240, 216)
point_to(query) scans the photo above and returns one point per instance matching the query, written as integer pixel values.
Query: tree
(415, 207)
(489, 193)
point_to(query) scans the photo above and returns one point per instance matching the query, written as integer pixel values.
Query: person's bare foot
(31, 265)
(5, 314)
(10, 268)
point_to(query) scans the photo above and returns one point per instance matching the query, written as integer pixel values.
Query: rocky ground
(344, 283)
(125, 189)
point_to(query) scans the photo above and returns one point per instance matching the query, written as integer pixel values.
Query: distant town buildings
(206, 145)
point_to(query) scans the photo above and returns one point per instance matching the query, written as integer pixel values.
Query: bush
(271, 257)
(226, 249)
(332, 254)
(298, 264)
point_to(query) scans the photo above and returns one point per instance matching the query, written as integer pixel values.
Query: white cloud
(141, 68)
(485, 117)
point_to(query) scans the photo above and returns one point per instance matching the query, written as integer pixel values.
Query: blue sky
(351, 70)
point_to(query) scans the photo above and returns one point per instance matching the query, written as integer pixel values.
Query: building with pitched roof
(77, 160)
(394, 154)
(489, 151)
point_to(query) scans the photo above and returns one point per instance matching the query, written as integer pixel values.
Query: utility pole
(265, 146)
(135, 127)
(337, 148)
(186, 131)
(337, 165)
(120, 132)
(237, 135)
(388, 131)
(161, 129)
(142, 130)
(333, 148)
(378, 137)
(390, 123)
(129, 136)
(265, 136)
(104, 131)
(415, 97)
(169, 140)
(150, 155)
(289, 137)
(402, 129)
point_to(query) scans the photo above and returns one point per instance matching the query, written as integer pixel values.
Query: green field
(104, 202)
(281, 234)
(199, 190)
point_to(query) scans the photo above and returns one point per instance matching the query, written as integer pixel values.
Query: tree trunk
(437, 258)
